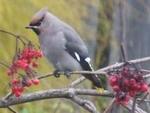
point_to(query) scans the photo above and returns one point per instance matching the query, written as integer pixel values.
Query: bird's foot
(67, 73)
(56, 73)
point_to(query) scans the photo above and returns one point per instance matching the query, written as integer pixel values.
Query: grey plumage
(61, 44)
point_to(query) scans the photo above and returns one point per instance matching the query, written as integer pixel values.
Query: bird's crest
(39, 16)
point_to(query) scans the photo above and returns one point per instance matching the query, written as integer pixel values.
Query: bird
(62, 45)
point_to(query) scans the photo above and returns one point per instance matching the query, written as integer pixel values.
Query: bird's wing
(77, 49)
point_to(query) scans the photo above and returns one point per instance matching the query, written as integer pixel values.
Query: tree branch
(117, 65)
(136, 109)
(53, 93)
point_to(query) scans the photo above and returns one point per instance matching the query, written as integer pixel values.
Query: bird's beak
(31, 27)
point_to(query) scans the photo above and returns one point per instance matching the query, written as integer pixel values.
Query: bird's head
(37, 21)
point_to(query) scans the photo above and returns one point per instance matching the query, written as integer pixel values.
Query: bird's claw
(67, 73)
(56, 73)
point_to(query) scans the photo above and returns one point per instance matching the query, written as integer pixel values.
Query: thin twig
(137, 109)
(109, 107)
(14, 35)
(146, 76)
(134, 105)
(145, 70)
(71, 73)
(11, 109)
(123, 52)
(4, 64)
(16, 50)
(143, 98)
(57, 107)
(76, 82)
(45, 76)
(7, 96)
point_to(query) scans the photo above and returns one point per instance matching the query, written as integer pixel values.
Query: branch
(53, 93)
(88, 105)
(136, 109)
(11, 109)
(109, 107)
(68, 93)
(85, 104)
(72, 73)
(105, 69)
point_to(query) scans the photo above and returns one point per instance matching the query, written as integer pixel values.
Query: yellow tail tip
(100, 90)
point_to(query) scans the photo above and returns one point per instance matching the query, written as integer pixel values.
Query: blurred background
(102, 24)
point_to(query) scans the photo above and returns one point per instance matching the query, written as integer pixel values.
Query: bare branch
(117, 65)
(72, 73)
(137, 109)
(12, 110)
(7, 96)
(53, 93)
(76, 82)
(109, 106)
(57, 107)
(143, 98)
(133, 105)
(84, 103)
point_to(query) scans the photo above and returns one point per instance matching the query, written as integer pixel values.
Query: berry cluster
(26, 62)
(127, 82)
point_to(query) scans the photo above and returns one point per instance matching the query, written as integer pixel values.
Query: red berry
(116, 88)
(113, 80)
(15, 81)
(144, 87)
(20, 89)
(28, 83)
(14, 89)
(132, 93)
(9, 72)
(126, 82)
(132, 81)
(125, 100)
(17, 93)
(137, 87)
(22, 64)
(35, 81)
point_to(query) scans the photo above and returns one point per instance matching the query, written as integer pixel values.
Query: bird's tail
(92, 77)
